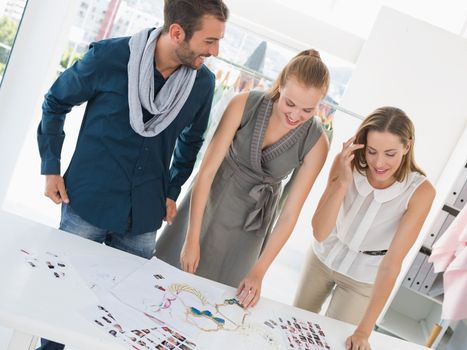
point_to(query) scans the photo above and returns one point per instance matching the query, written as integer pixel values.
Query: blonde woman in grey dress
(262, 137)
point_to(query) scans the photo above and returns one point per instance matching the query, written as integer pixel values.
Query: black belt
(374, 252)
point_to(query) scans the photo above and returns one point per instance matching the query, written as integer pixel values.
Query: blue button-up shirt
(115, 174)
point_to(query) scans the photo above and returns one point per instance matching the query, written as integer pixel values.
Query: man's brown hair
(189, 13)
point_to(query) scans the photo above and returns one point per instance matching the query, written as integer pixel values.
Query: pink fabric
(449, 254)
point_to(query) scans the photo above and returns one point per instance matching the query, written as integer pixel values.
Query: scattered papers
(152, 305)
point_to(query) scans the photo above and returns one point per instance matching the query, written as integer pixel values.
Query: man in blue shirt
(148, 102)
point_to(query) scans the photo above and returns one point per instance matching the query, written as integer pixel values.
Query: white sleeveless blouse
(367, 221)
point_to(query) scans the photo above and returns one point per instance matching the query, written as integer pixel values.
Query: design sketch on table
(212, 317)
(204, 315)
(102, 276)
(193, 307)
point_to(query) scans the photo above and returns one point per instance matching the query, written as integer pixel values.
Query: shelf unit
(411, 316)
(411, 313)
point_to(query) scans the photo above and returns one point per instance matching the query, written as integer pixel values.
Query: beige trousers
(349, 298)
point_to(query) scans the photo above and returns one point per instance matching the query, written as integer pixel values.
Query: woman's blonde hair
(309, 70)
(396, 122)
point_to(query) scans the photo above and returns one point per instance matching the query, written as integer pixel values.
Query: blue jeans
(142, 245)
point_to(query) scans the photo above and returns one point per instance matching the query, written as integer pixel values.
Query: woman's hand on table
(357, 341)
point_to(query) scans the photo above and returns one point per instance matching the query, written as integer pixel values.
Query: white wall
(421, 69)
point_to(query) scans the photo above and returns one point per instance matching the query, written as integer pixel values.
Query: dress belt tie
(264, 194)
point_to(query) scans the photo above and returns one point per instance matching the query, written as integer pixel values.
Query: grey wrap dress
(244, 197)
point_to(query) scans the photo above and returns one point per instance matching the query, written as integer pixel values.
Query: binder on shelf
(435, 229)
(413, 270)
(447, 222)
(429, 280)
(461, 197)
(421, 274)
(457, 188)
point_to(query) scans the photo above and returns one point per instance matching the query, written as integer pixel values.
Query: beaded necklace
(218, 318)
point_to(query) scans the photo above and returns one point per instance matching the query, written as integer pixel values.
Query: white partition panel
(33, 61)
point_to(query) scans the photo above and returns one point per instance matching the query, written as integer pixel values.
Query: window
(10, 16)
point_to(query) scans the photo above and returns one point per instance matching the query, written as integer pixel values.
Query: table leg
(22, 341)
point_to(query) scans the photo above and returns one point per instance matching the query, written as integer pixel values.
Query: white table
(33, 306)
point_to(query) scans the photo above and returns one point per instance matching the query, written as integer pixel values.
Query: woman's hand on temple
(344, 160)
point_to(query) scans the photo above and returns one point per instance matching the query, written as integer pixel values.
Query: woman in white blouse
(367, 219)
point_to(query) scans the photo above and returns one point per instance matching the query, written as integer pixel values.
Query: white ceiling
(357, 16)
(338, 27)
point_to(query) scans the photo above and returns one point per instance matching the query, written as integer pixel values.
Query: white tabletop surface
(51, 308)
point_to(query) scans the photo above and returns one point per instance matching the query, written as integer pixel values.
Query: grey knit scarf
(170, 99)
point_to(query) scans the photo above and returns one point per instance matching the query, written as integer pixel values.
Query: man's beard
(187, 56)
